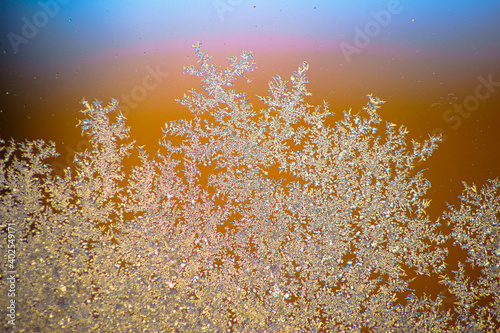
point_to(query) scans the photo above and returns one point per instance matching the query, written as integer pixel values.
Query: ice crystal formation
(245, 220)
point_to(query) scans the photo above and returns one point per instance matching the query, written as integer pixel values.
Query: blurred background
(435, 63)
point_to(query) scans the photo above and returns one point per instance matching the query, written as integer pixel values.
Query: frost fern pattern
(246, 220)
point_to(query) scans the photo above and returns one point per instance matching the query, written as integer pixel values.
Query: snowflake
(269, 220)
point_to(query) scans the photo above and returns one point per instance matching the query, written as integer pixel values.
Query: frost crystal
(246, 220)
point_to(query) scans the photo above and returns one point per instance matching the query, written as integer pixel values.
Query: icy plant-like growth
(246, 220)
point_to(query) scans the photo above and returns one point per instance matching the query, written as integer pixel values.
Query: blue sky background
(85, 28)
